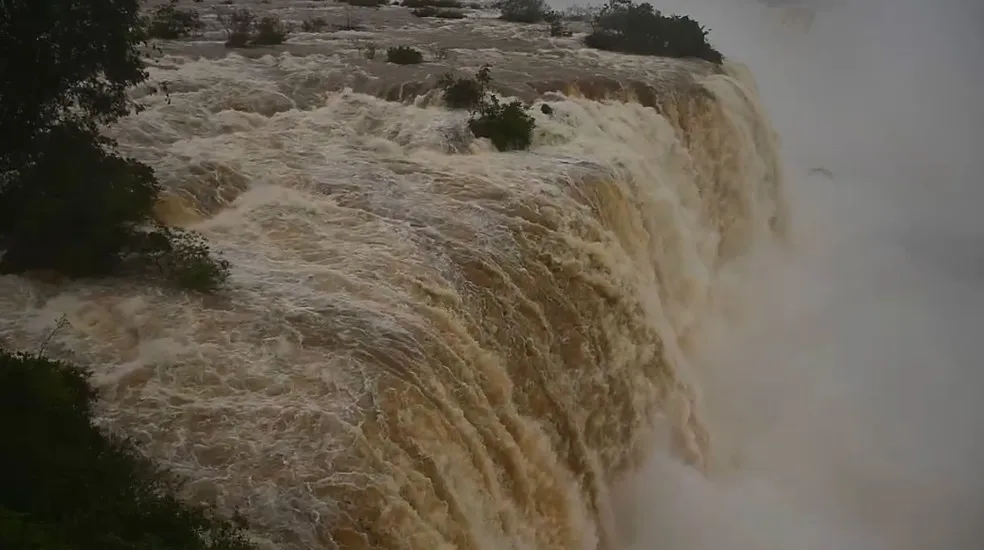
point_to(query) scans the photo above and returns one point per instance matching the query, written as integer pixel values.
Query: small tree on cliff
(68, 202)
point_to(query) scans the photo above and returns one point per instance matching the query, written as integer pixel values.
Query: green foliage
(68, 202)
(524, 11)
(428, 11)
(239, 27)
(169, 22)
(65, 62)
(64, 485)
(75, 208)
(81, 210)
(184, 258)
(404, 55)
(627, 27)
(465, 93)
(244, 29)
(507, 125)
(270, 31)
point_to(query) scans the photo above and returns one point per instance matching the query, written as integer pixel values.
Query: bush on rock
(626, 27)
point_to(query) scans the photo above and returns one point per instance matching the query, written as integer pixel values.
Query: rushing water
(427, 344)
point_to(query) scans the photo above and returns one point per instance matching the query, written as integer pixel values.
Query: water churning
(427, 344)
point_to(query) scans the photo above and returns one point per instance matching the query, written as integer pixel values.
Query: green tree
(507, 125)
(627, 27)
(68, 201)
(65, 485)
(54, 55)
(524, 11)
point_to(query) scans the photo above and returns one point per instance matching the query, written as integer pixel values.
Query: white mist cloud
(849, 400)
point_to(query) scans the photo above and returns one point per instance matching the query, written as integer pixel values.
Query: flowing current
(426, 344)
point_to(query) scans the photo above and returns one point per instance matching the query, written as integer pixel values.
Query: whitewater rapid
(426, 344)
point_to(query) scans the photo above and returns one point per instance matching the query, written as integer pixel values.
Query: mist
(843, 395)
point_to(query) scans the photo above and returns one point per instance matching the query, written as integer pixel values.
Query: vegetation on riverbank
(69, 202)
(626, 27)
(65, 484)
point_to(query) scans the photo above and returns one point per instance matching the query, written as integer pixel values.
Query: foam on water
(427, 344)
(843, 397)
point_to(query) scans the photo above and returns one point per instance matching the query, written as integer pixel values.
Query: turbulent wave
(428, 344)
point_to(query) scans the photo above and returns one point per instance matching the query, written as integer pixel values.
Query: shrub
(404, 55)
(83, 211)
(270, 31)
(244, 29)
(508, 126)
(623, 26)
(68, 202)
(523, 11)
(76, 208)
(185, 259)
(465, 93)
(239, 27)
(65, 485)
(169, 22)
